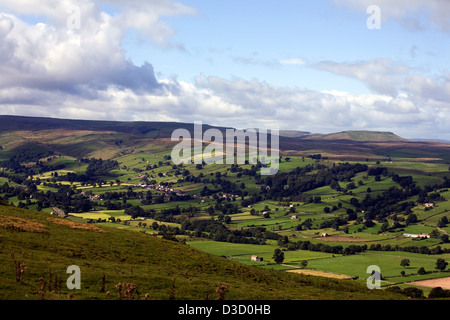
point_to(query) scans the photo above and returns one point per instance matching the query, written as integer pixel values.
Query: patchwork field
(339, 203)
(333, 265)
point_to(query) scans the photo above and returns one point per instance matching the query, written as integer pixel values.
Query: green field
(354, 266)
(159, 268)
(316, 198)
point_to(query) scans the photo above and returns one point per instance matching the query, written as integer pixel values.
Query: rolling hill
(110, 139)
(362, 136)
(110, 234)
(37, 248)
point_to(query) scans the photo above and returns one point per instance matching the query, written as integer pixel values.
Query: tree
(278, 256)
(405, 263)
(443, 222)
(335, 185)
(351, 186)
(351, 214)
(413, 292)
(421, 271)
(304, 263)
(438, 292)
(412, 218)
(441, 264)
(384, 226)
(134, 211)
(369, 223)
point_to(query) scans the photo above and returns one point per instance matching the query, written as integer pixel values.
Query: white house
(421, 235)
(256, 258)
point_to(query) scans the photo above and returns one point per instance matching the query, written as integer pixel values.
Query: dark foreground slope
(36, 249)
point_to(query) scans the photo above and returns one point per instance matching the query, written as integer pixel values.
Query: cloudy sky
(319, 66)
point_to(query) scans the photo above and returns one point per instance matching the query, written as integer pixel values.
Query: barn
(256, 258)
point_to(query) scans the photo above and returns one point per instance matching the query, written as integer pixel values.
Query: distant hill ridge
(111, 139)
(12, 123)
(363, 136)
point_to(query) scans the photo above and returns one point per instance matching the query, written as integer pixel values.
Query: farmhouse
(256, 258)
(429, 205)
(293, 217)
(421, 235)
(324, 235)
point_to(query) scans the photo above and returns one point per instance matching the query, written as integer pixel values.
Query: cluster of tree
(333, 223)
(19, 179)
(225, 208)
(430, 197)
(26, 155)
(390, 201)
(96, 170)
(38, 167)
(162, 216)
(217, 231)
(354, 249)
(316, 156)
(412, 249)
(410, 292)
(438, 292)
(66, 198)
(294, 183)
(322, 247)
(377, 171)
(443, 222)
(30, 155)
(99, 167)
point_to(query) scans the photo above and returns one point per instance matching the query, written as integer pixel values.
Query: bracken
(75, 225)
(20, 224)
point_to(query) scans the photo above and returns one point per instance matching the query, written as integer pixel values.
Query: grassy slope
(153, 265)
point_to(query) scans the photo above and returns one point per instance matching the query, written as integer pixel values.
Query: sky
(319, 66)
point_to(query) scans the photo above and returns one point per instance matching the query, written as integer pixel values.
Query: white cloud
(381, 75)
(145, 16)
(48, 70)
(50, 56)
(428, 89)
(142, 15)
